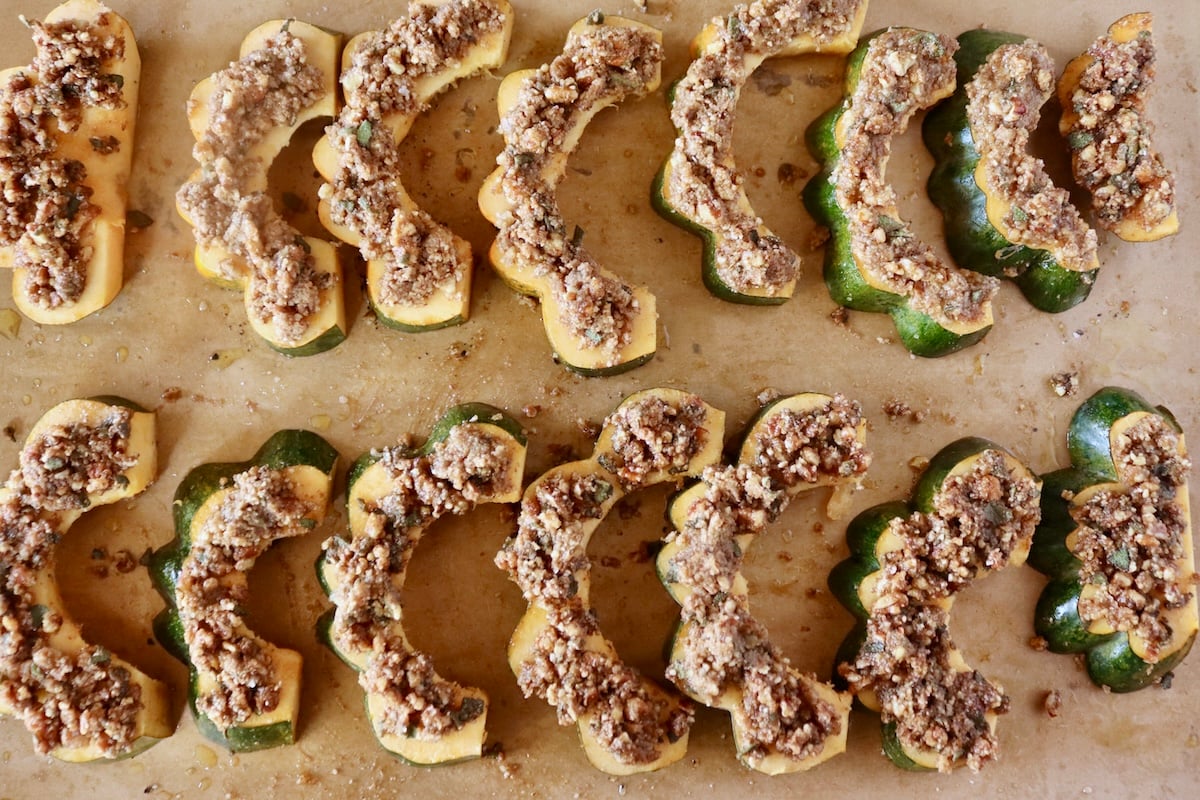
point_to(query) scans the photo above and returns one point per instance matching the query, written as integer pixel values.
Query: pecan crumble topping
(1110, 139)
(265, 89)
(421, 254)
(704, 184)
(467, 467)
(65, 699)
(903, 72)
(722, 644)
(45, 202)
(1131, 542)
(1004, 99)
(261, 506)
(547, 557)
(602, 65)
(979, 520)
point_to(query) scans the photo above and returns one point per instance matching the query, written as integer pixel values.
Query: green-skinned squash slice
(1116, 542)
(597, 324)
(475, 455)
(64, 238)
(973, 510)
(1003, 216)
(873, 260)
(292, 285)
(627, 724)
(699, 187)
(783, 720)
(1104, 119)
(418, 271)
(244, 692)
(81, 702)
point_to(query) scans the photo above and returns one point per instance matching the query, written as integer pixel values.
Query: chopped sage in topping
(101, 657)
(308, 522)
(596, 17)
(1019, 216)
(363, 134)
(1077, 140)
(1120, 559)
(603, 491)
(577, 238)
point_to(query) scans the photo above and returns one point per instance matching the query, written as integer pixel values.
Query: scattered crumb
(1052, 703)
(788, 173)
(767, 396)
(918, 463)
(171, 394)
(840, 316)
(588, 428)
(610, 562)
(10, 432)
(460, 351)
(898, 409)
(530, 411)
(1166, 680)
(818, 238)
(1065, 384)
(1039, 643)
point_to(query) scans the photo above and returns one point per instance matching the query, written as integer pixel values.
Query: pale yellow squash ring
(107, 176)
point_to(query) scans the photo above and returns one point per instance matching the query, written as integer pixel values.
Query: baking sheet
(172, 342)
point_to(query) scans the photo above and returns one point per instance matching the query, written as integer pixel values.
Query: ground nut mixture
(265, 89)
(1004, 100)
(45, 205)
(261, 506)
(1131, 542)
(1110, 142)
(467, 467)
(65, 700)
(704, 184)
(629, 719)
(722, 645)
(600, 66)
(903, 72)
(654, 435)
(979, 520)
(364, 196)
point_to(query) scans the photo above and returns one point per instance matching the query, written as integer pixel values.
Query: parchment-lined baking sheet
(180, 345)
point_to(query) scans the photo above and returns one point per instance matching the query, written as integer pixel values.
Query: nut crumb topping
(653, 435)
(260, 507)
(1131, 542)
(722, 645)
(422, 255)
(467, 467)
(704, 183)
(1004, 99)
(265, 89)
(1110, 140)
(66, 700)
(903, 72)
(979, 520)
(45, 202)
(600, 66)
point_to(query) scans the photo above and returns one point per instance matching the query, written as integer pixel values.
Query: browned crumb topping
(654, 435)
(979, 519)
(1132, 542)
(600, 66)
(628, 720)
(260, 507)
(465, 468)
(1065, 384)
(722, 644)
(1112, 154)
(704, 183)
(364, 196)
(1052, 702)
(265, 89)
(903, 72)
(45, 202)
(1004, 101)
(81, 699)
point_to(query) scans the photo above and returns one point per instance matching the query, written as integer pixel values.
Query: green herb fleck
(471, 708)
(1120, 559)
(735, 26)
(116, 78)
(37, 615)
(1019, 216)
(577, 238)
(54, 463)
(523, 159)
(1077, 140)
(363, 134)
(596, 17)
(873, 647)
(308, 523)
(602, 492)
(101, 657)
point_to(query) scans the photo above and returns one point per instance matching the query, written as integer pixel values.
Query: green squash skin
(973, 241)
(326, 341)
(404, 327)
(284, 449)
(605, 372)
(457, 415)
(919, 332)
(1111, 662)
(862, 537)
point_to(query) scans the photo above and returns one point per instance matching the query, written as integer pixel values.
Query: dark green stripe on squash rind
(1110, 660)
(284, 449)
(328, 340)
(973, 241)
(457, 415)
(862, 537)
(919, 332)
